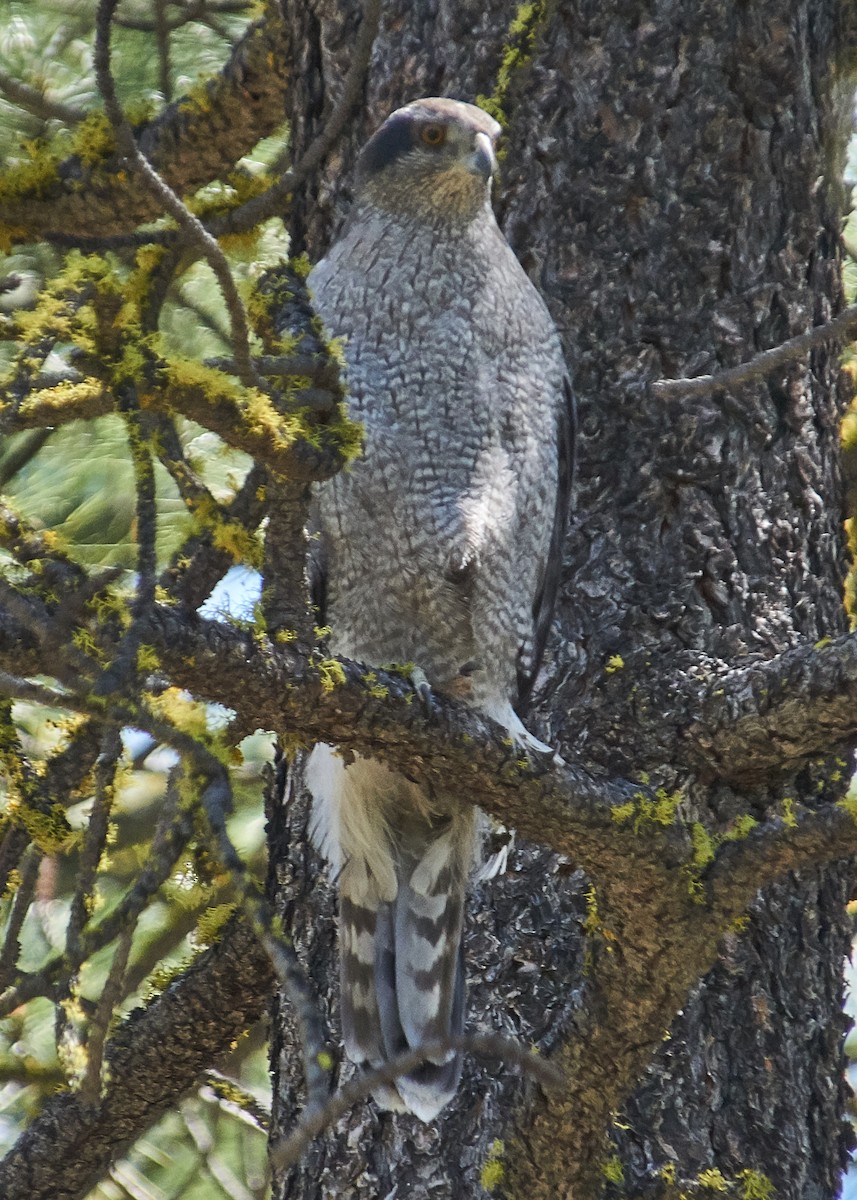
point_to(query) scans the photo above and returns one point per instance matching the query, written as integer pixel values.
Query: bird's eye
(433, 135)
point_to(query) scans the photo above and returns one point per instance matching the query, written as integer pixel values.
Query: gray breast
(436, 538)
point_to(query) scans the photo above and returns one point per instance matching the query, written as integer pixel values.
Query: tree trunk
(672, 183)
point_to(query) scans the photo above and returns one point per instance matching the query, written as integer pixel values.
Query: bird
(439, 548)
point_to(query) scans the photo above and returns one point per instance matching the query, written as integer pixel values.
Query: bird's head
(432, 160)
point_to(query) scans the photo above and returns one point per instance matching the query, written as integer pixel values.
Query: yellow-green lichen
(713, 1180)
(592, 921)
(669, 1174)
(493, 1171)
(331, 674)
(253, 407)
(234, 539)
(614, 663)
(644, 810)
(93, 140)
(210, 925)
(613, 1170)
(33, 176)
(755, 1186)
(147, 659)
(517, 52)
(301, 265)
(703, 846)
(345, 434)
(190, 716)
(109, 605)
(231, 1093)
(378, 690)
(13, 882)
(49, 830)
(741, 827)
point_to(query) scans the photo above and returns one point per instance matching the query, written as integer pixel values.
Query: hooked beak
(482, 161)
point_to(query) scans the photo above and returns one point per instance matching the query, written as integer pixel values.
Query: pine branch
(198, 138)
(164, 1049)
(772, 716)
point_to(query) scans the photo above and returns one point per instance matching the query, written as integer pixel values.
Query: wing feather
(546, 593)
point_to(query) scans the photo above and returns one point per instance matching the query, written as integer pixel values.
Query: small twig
(269, 203)
(210, 1162)
(36, 102)
(162, 39)
(172, 456)
(94, 843)
(192, 226)
(29, 873)
(763, 364)
(198, 564)
(123, 671)
(324, 372)
(233, 1097)
(290, 1147)
(16, 459)
(108, 1002)
(208, 319)
(37, 618)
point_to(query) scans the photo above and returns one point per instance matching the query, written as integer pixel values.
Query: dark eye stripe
(392, 141)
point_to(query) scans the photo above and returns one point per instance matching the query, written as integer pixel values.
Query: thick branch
(163, 1050)
(768, 717)
(248, 421)
(374, 712)
(808, 839)
(772, 716)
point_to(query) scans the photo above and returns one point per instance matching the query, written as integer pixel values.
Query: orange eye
(433, 135)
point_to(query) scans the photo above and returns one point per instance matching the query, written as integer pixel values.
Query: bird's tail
(403, 871)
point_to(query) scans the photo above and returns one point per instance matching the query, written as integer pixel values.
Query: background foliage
(78, 482)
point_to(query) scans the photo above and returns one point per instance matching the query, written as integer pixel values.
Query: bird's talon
(421, 683)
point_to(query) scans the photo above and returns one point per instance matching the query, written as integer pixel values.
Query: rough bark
(672, 182)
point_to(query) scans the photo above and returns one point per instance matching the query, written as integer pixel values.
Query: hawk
(441, 545)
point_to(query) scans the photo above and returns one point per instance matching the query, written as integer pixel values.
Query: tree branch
(164, 1049)
(792, 843)
(376, 712)
(35, 101)
(772, 716)
(842, 326)
(190, 224)
(197, 139)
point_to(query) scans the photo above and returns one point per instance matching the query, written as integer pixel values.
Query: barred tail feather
(430, 1003)
(403, 870)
